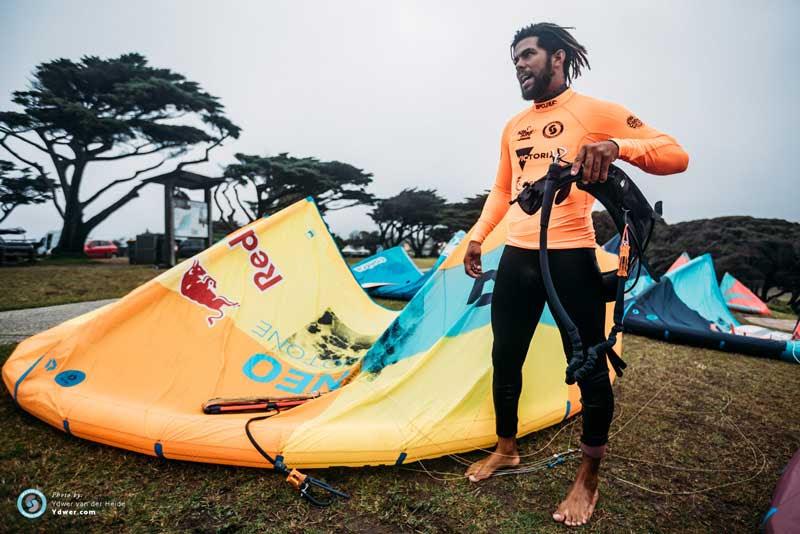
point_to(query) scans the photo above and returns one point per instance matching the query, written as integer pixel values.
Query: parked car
(350, 250)
(100, 249)
(14, 251)
(48, 243)
(191, 247)
(122, 247)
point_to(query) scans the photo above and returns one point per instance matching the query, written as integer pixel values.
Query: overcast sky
(417, 93)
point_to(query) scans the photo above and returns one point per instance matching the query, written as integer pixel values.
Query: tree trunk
(419, 238)
(765, 289)
(76, 230)
(73, 233)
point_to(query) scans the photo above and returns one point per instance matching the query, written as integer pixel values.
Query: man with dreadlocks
(592, 133)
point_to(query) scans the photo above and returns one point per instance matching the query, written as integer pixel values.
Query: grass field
(59, 282)
(698, 443)
(50, 282)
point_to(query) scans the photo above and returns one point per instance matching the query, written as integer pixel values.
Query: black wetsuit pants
(517, 303)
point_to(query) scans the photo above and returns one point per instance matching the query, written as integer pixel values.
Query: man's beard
(541, 82)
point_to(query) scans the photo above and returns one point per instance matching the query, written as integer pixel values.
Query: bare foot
(505, 455)
(579, 505)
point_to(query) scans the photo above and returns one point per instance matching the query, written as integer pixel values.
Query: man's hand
(595, 159)
(472, 260)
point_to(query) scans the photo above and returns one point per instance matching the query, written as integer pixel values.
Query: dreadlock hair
(552, 37)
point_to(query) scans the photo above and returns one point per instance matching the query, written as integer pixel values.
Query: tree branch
(228, 200)
(56, 204)
(122, 181)
(134, 153)
(204, 158)
(50, 144)
(31, 163)
(102, 215)
(355, 203)
(776, 295)
(239, 201)
(216, 201)
(99, 150)
(13, 133)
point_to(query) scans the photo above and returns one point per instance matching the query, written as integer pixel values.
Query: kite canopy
(273, 310)
(391, 274)
(687, 306)
(784, 513)
(390, 267)
(612, 245)
(739, 298)
(634, 287)
(680, 261)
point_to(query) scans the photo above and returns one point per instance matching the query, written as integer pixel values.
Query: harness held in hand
(634, 218)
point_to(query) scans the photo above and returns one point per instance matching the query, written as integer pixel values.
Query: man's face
(534, 68)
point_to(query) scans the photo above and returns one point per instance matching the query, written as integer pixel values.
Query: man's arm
(639, 144)
(496, 204)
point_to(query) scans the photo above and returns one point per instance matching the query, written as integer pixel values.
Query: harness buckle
(557, 153)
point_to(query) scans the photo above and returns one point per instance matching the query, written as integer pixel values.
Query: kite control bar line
(635, 220)
(299, 481)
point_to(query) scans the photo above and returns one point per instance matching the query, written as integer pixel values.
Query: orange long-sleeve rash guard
(568, 121)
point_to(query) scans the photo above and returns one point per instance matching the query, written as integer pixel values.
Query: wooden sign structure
(183, 180)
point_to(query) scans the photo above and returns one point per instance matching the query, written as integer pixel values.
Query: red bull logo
(266, 275)
(199, 287)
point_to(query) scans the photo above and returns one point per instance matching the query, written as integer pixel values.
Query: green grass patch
(781, 310)
(425, 263)
(687, 421)
(66, 281)
(422, 263)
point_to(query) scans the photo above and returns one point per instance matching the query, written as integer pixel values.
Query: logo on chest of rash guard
(634, 122)
(525, 133)
(553, 129)
(526, 154)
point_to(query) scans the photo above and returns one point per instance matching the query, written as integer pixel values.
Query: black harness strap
(633, 217)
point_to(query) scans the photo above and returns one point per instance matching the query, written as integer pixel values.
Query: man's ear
(558, 58)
